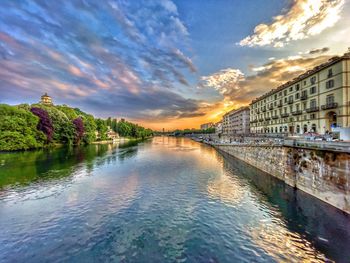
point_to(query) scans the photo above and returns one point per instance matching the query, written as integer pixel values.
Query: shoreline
(319, 173)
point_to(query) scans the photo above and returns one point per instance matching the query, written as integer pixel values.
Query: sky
(162, 63)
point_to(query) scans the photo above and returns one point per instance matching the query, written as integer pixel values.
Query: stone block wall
(323, 174)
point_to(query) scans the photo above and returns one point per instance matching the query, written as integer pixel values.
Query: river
(162, 200)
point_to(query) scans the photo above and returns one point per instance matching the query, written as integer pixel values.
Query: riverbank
(113, 141)
(323, 174)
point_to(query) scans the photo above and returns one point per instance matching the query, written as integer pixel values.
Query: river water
(162, 200)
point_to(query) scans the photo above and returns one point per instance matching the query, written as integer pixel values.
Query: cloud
(122, 58)
(239, 89)
(305, 18)
(318, 51)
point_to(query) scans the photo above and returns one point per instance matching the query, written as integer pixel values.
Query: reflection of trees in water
(302, 214)
(128, 149)
(23, 168)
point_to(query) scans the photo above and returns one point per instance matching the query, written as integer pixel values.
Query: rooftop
(306, 74)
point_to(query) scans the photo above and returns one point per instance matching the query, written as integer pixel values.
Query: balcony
(284, 115)
(312, 109)
(297, 112)
(290, 101)
(275, 117)
(271, 107)
(258, 112)
(279, 105)
(267, 119)
(261, 120)
(329, 106)
(303, 97)
(263, 109)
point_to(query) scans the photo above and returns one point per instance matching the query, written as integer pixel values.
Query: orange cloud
(304, 19)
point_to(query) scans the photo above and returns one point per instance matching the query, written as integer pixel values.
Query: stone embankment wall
(321, 173)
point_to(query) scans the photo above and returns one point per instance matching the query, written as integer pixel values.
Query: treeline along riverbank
(24, 127)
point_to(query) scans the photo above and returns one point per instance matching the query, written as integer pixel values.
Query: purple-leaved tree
(45, 123)
(79, 128)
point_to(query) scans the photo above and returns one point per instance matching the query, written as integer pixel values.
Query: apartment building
(236, 122)
(317, 100)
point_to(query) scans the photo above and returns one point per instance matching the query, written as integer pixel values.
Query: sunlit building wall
(236, 122)
(317, 101)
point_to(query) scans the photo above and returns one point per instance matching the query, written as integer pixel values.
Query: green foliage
(90, 128)
(128, 129)
(101, 127)
(194, 131)
(64, 130)
(18, 129)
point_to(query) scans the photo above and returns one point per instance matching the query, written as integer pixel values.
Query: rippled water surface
(163, 200)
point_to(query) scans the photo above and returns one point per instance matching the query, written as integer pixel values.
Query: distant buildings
(317, 101)
(236, 122)
(218, 128)
(207, 125)
(46, 100)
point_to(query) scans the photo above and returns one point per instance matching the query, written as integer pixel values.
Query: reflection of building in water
(284, 245)
(226, 188)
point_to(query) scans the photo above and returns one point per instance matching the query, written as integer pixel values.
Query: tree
(45, 123)
(18, 129)
(102, 128)
(79, 127)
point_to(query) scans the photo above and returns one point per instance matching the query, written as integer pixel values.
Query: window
(298, 128)
(280, 94)
(275, 96)
(313, 80)
(285, 92)
(330, 84)
(330, 73)
(312, 116)
(285, 100)
(304, 82)
(313, 103)
(313, 127)
(297, 96)
(291, 88)
(330, 99)
(297, 87)
(313, 90)
(298, 107)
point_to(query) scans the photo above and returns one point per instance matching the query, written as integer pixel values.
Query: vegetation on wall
(25, 126)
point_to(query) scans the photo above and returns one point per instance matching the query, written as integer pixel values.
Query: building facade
(207, 125)
(218, 128)
(316, 101)
(46, 99)
(236, 122)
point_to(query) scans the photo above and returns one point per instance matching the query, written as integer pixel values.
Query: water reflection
(162, 200)
(226, 188)
(301, 223)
